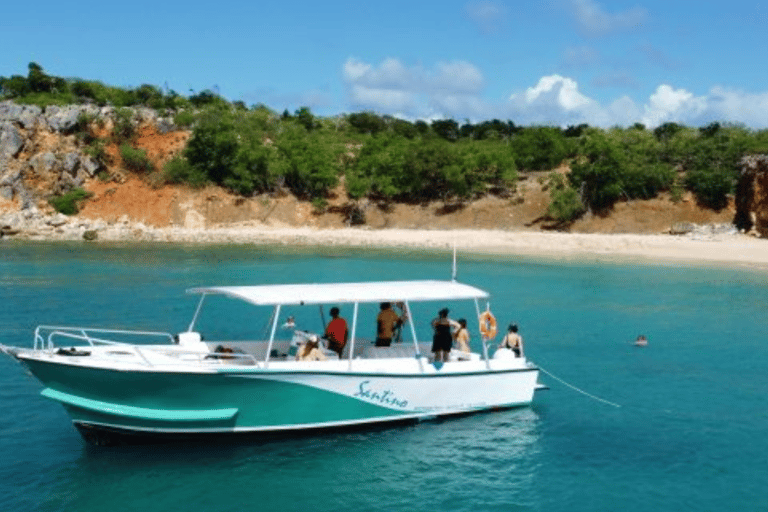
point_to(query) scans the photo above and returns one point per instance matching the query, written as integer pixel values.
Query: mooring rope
(577, 389)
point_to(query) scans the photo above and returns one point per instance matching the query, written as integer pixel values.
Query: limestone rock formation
(752, 195)
(39, 153)
(11, 141)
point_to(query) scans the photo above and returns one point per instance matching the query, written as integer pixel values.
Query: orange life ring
(488, 325)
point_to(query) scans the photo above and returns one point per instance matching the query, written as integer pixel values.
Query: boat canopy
(332, 293)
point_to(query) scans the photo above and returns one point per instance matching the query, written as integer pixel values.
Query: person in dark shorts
(442, 339)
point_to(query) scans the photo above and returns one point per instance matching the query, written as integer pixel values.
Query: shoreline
(706, 247)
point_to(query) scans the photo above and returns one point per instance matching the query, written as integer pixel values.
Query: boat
(118, 384)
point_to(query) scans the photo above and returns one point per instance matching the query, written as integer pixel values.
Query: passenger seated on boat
(461, 336)
(309, 351)
(512, 340)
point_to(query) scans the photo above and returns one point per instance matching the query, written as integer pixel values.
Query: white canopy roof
(339, 293)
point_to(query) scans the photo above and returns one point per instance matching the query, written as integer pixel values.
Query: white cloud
(621, 112)
(489, 17)
(593, 21)
(456, 77)
(668, 104)
(720, 104)
(393, 86)
(382, 99)
(553, 90)
(748, 108)
(454, 90)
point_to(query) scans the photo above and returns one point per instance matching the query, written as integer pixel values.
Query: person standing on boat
(513, 341)
(442, 339)
(336, 332)
(462, 336)
(386, 323)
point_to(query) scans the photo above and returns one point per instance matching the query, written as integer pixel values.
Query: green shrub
(565, 203)
(366, 122)
(647, 181)
(212, 149)
(135, 159)
(123, 128)
(711, 188)
(82, 129)
(598, 171)
(676, 191)
(96, 150)
(68, 203)
(319, 204)
(45, 99)
(179, 170)
(306, 162)
(184, 119)
(539, 148)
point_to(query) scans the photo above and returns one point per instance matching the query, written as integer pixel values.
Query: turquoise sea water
(691, 432)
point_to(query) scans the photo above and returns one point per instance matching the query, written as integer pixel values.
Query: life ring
(488, 325)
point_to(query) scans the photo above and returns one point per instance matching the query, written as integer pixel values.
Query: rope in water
(577, 389)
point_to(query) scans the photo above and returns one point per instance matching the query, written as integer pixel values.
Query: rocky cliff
(752, 195)
(40, 153)
(45, 152)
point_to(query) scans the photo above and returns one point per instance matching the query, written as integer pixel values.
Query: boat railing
(45, 338)
(45, 334)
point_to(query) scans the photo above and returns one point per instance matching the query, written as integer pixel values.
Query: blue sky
(556, 62)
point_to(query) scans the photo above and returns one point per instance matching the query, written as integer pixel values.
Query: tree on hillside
(538, 148)
(39, 81)
(448, 129)
(306, 163)
(366, 122)
(213, 146)
(305, 118)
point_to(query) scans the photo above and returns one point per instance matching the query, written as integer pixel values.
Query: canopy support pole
(272, 334)
(413, 335)
(197, 312)
(482, 338)
(352, 335)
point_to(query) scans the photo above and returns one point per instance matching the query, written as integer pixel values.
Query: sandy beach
(724, 249)
(709, 244)
(729, 249)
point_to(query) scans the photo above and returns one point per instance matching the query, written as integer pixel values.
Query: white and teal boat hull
(114, 381)
(280, 398)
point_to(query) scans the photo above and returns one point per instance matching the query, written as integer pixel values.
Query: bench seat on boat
(400, 350)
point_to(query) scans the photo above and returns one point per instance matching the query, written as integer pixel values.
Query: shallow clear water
(692, 432)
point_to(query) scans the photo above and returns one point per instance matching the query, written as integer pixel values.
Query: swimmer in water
(641, 341)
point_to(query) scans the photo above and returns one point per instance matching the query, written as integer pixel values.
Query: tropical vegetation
(253, 150)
